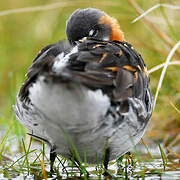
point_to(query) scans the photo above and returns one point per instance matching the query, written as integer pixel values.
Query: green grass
(163, 156)
(24, 34)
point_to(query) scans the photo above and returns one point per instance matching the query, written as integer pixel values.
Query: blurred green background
(23, 35)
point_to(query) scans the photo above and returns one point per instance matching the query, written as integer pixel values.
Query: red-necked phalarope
(91, 92)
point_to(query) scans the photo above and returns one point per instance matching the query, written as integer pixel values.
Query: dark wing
(43, 60)
(114, 67)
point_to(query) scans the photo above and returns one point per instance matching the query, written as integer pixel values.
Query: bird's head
(94, 23)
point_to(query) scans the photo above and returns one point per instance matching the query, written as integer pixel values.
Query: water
(169, 174)
(131, 167)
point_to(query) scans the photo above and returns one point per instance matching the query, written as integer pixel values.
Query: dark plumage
(87, 23)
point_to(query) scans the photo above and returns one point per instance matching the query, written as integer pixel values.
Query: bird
(88, 95)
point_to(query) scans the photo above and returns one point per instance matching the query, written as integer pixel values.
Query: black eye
(93, 32)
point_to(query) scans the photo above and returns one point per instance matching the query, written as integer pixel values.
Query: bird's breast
(69, 105)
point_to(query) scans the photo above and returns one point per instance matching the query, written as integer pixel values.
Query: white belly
(69, 105)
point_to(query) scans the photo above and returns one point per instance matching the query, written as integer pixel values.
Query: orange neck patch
(116, 33)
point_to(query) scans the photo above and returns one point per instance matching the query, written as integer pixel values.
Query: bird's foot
(107, 175)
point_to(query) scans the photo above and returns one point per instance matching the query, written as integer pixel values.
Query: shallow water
(113, 169)
(129, 168)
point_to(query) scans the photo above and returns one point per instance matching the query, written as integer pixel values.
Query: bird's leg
(128, 153)
(53, 155)
(106, 161)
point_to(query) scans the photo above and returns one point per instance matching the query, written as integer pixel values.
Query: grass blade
(42, 163)
(174, 7)
(164, 70)
(171, 103)
(3, 142)
(20, 159)
(142, 140)
(155, 68)
(163, 156)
